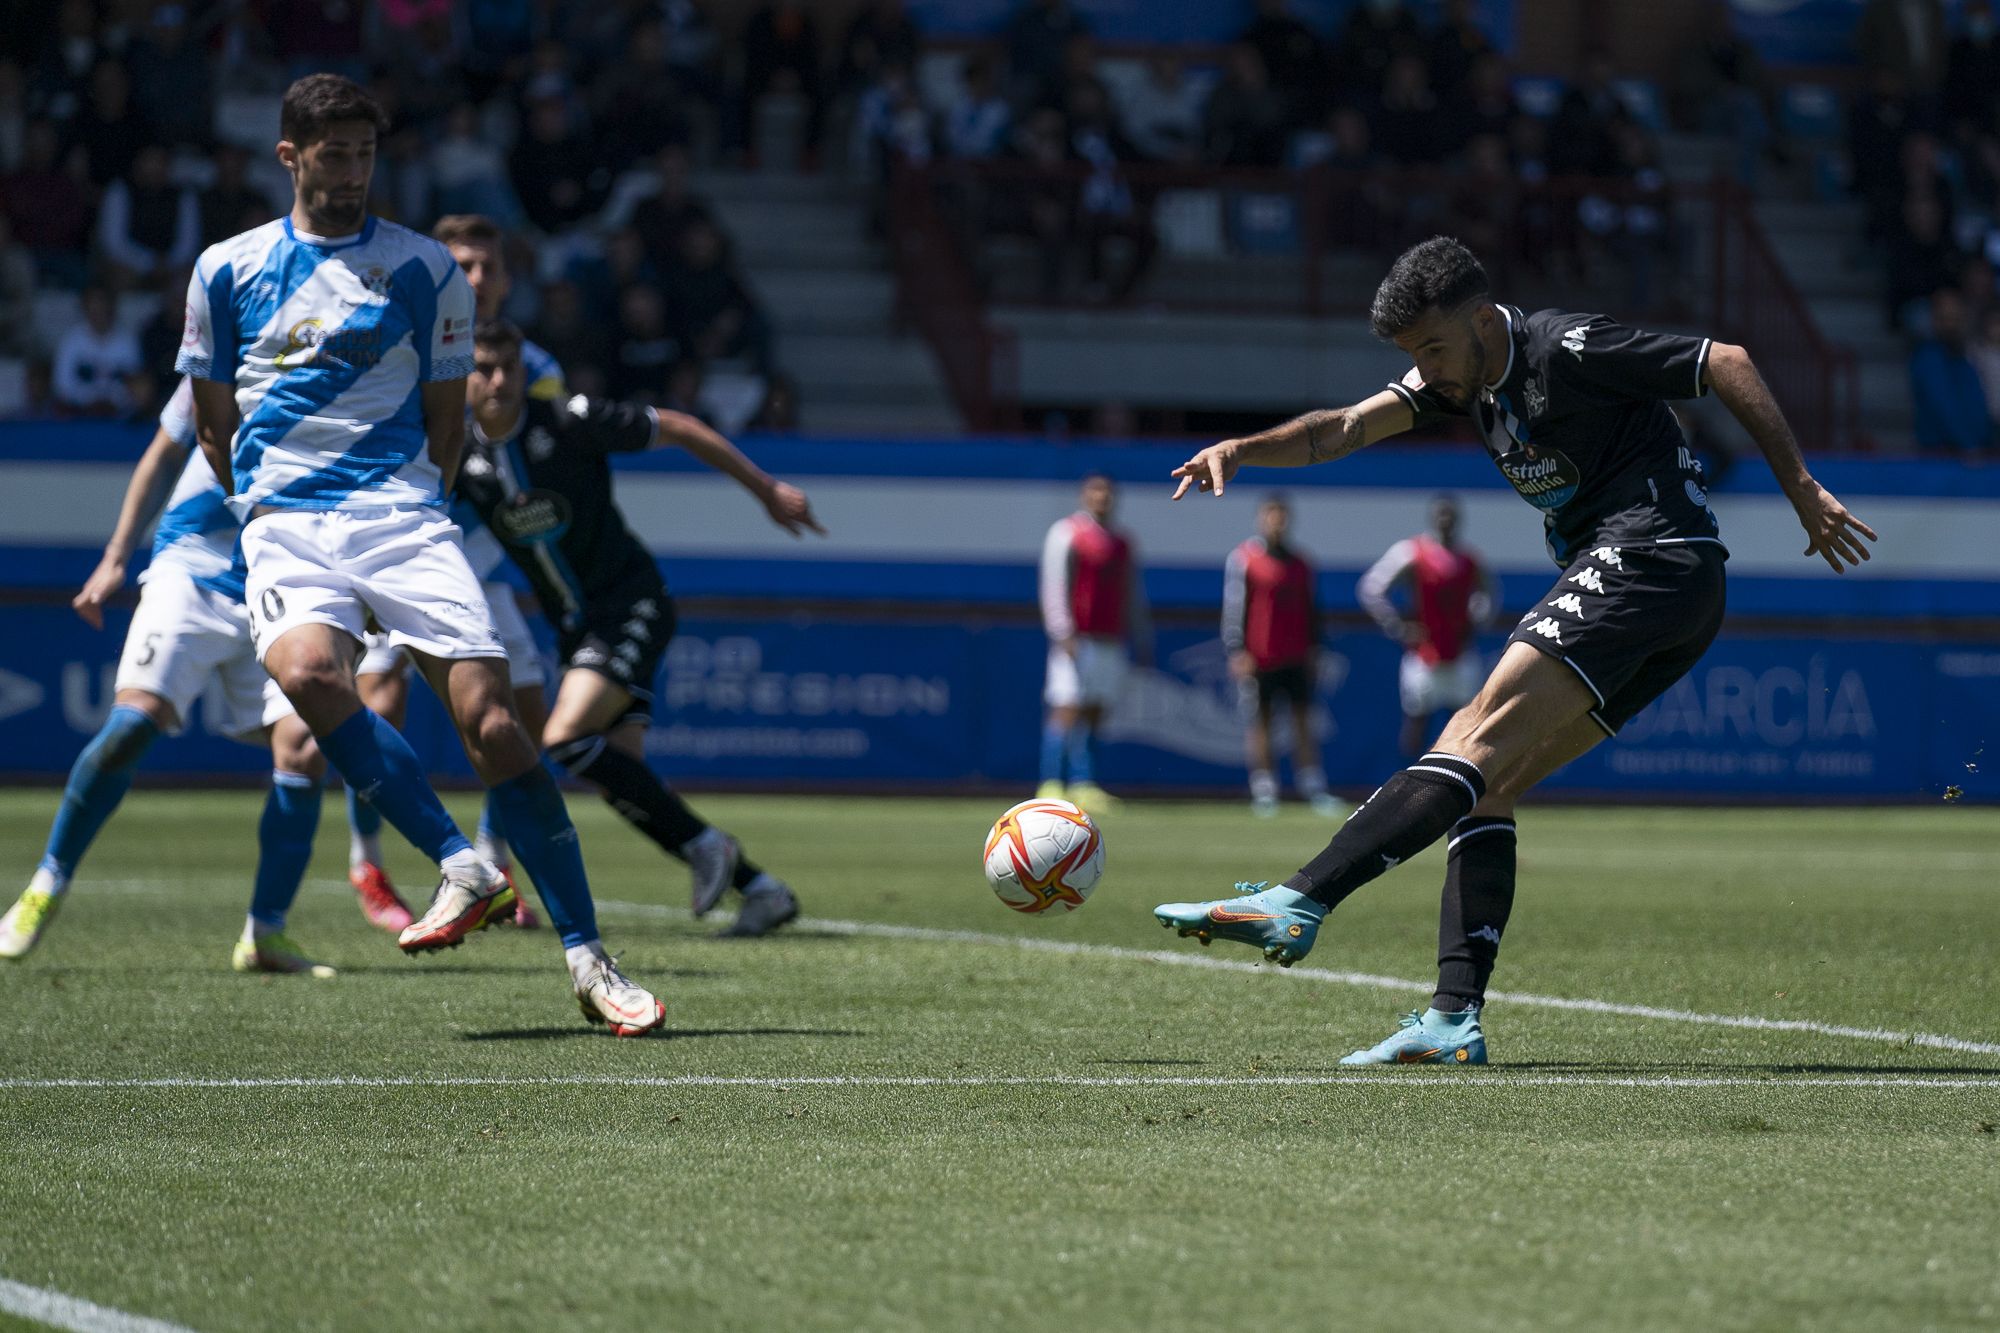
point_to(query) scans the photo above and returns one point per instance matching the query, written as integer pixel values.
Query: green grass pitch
(1078, 1139)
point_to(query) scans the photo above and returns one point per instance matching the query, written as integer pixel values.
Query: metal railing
(938, 295)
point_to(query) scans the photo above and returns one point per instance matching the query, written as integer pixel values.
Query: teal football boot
(1280, 922)
(1428, 1038)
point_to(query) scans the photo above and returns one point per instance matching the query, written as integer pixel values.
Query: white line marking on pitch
(52, 1307)
(1379, 1080)
(1183, 958)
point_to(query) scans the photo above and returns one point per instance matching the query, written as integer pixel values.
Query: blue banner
(1180, 22)
(833, 702)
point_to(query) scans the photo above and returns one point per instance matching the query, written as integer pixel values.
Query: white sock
(364, 848)
(1263, 785)
(581, 956)
(493, 848)
(465, 864)
(45, 880)
(1312, 782)
(254, 930)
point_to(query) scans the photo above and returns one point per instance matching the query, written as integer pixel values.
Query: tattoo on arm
(1330, 434)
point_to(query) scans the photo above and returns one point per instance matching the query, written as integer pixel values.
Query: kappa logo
(1491, 933)
(1547, 628)
(1569, 602)
(646, 607)
(1573, 340)
(1608, 555)
(637, 629)
(1588, 579)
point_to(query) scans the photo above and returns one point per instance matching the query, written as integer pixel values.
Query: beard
(335, 214)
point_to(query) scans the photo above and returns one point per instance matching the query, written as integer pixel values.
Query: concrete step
(861, 366)
(1798, 217)
(827, 301)
(878, 419)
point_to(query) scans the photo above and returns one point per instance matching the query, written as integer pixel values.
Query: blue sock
(98, 781)
(1053, 746)
(1082, 754)
(545, 841)
(379, 764)
(362, 816)
(284, 845)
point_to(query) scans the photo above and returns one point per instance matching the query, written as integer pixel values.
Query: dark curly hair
(317, 101)
(1438, 274)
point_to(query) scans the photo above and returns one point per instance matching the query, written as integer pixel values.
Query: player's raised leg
(1529, 697)
(596, 731)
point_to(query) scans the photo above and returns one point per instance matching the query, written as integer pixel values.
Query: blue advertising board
(898, 702)
(1180, 22)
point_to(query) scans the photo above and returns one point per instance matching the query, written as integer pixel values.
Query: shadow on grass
(1690, 1069)
(664, 1034)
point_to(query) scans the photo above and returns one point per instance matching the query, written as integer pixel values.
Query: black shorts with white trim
(1630, 620)
(623, 635)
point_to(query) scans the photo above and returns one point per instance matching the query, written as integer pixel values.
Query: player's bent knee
(577, 753)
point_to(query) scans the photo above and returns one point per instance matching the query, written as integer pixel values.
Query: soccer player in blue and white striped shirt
(329, 351)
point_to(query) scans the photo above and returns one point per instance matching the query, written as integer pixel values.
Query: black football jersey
(546, 493)
(1579, 425)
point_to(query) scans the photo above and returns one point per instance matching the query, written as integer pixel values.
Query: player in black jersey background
(1572, 410)
(539, 473)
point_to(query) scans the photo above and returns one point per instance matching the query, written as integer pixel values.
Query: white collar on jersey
(1486, 390)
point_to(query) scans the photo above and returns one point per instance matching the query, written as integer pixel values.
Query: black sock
(633, 790)
(1478, 896)
(1406, 814)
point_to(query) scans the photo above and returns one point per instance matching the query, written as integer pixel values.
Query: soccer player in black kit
(539, 474)
(1572, 409)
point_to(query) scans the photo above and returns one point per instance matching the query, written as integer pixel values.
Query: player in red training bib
(1450, 594)
(1093, 605)
(1270, 628)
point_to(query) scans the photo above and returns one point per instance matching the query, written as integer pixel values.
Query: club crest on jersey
(377, 280)
(1532, 396)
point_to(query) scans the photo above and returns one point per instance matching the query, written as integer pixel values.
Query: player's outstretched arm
(1831, 532)
(787, 505)
(145, 495)
(215, 427)
(1316, 437)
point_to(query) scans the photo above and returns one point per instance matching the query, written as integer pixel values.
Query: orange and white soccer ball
(1044, 854)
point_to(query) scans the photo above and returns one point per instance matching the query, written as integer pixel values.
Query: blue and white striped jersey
(196, 532)
(328, 344)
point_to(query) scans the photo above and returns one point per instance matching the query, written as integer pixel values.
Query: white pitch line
(1383, 1079)
(1185, 958)
(54, 1308)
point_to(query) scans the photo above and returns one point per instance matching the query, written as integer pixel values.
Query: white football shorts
(1432, 687)
(1095, 677)
(525, 666)
(188, 642)
(335, 567)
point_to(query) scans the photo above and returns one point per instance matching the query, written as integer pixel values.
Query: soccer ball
(1044, 854)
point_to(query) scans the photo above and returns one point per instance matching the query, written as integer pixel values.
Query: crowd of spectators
(135, 132)
(1420, 126)
(1923, 139)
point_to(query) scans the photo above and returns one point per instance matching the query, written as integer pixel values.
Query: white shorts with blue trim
(188, 642)
(525, 667)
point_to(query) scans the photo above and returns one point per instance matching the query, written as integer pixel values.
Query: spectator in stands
(467, 173)
(1376, 32)
(694, 53)
(1725, 90)
(56, 87)
(1109, 211)
(246, 56)
(231, 198)
(663, 217)
(109, 129)
(1363, 207)
(1408, 123)
(891, 123)
(977, 122)
(1245, 124)
(1972, 73)
(1952, 412)
(555, 172)
(878, 38)
(781, 51)
(48, 202)
(170, 79)
(1877, 123)
(1985, 353)
(314, 35)
(424, 62)
(160, 336)
(639, 102)
(13, 115)
(1921, 260)
(1295, 58)
(644, 350)
(147, 225)
(1908, 37)
(624, 264)
(98, 370)
(1580, 138)
(1483, 105)
(17, 293)
(1456, 46)
(581, 344)
(709, 311)
(1162, 110)
(1038, 35)
(1044, 205)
